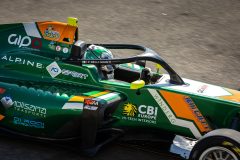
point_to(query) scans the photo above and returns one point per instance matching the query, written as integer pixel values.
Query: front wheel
(221, 144)
(218, 153)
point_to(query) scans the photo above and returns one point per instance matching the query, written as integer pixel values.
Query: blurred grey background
(200, 39)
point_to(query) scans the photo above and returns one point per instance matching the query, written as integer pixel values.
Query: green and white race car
(54, 87)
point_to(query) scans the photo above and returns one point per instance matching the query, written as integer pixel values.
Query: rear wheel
(221, 144)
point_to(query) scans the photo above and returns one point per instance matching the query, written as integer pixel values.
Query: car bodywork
(48, 91)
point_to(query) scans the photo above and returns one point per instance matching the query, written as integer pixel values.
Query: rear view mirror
(137, 84)
(158, 67)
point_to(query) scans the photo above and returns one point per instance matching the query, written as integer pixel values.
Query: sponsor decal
(30, 109)
(90, 102)
(74, 74)
(58, 48)
(53, 69)
(202, 89)
(92, 108)
(170, 115)
(18, 60)
(7, 102)
(20, 41)
(142, 113)
(28, 123)
(80, 102)
(65, 50)
(2, 90)
(52, 45)
(23, 107)
(51, 33)
(197, 113)
(36, 43)
(129, 110)
(97, 62)
(24, 41)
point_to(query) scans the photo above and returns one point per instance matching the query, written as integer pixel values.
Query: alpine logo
(24, 41)
(19, 40)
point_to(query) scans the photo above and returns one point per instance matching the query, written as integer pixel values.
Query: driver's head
(99, 52)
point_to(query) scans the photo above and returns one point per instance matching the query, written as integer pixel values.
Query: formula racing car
(55, 87)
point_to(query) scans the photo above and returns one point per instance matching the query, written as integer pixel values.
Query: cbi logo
(131, 110)
(149, 110)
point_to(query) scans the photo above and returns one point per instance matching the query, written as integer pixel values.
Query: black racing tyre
(220, 144)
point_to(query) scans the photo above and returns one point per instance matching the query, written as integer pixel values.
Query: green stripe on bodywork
(92, 93)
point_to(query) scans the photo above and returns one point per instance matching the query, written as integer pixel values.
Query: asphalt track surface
(200, 39)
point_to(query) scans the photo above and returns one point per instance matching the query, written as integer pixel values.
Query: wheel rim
(218, 153)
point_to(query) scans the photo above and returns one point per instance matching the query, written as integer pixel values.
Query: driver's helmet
(99, 52)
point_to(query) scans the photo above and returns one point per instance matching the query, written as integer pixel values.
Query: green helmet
(99, 52)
